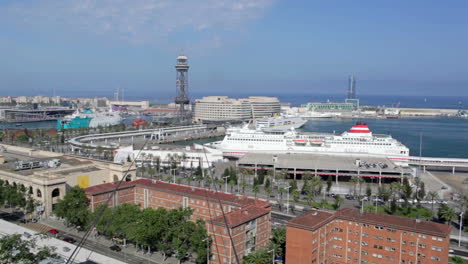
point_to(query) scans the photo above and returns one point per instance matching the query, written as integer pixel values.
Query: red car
(53, 231)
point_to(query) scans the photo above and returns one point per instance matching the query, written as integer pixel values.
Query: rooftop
(181, 190)
(238, 217)
(314, 219)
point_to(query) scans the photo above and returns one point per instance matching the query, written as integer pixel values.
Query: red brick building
(248, 220)
(349, 236)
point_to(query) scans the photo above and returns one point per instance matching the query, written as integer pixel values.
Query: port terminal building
(351, 236)
(337, 166)
(246, 220)
(224, 109)
(46, 176)
(167, 155)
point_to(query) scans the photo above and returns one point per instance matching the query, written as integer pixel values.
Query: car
(115, 248)
(53, 231)
(69, 240)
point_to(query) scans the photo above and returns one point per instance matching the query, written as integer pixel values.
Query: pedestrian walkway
(38, 227)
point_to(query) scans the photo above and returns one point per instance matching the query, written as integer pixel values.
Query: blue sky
(261, 47)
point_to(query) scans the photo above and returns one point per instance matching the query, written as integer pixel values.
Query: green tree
(296, 195)
(243, 184)
(258, 257)
(310, 197)
(447, 214)
(368, 191)
(432, 195)
(74, 207)
(267, 183)
(406, 191)
(305, 187)
(457, 260)
(329, 183)
(256, 190)
(338, 201)
(278, 241)
(293, 186)
(13, 249)
(232, 183)
(316, 184)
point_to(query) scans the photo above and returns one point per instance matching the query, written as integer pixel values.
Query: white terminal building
(223, 108)
(184, 156)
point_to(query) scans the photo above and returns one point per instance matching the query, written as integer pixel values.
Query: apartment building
(248, 220)
(349, 236)
(223, 108)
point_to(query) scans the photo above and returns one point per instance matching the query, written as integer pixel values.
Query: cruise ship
(88, 118)
(357, 140)
(279, 123)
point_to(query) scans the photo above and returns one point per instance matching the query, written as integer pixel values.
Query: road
(89, 244)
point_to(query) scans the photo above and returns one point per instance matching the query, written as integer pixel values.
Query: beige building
(223, 108)
(47, 183)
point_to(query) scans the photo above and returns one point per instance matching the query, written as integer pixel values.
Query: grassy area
(411, 212)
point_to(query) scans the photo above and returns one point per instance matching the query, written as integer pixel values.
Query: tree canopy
(74, 207)
(13, 249)
(169, 231)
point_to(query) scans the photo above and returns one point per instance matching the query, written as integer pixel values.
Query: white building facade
(185, 157)
(223, 108)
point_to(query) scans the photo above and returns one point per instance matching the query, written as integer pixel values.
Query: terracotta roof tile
(311, 219)
(241, 216)
(398, 222)
(314, 219)
(183, 190)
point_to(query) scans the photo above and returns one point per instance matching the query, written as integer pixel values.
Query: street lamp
(287, 198)
(207, 249)
(225, 183)
(461, 227)
(173, 175)
(273, 258)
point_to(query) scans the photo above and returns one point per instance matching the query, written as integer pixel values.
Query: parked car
(115, 248)
(69, 240)
(53, 231)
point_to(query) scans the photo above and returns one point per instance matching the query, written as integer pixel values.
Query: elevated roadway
(451, 163)
(113, 140)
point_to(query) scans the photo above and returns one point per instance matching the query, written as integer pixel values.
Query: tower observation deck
(182, 98)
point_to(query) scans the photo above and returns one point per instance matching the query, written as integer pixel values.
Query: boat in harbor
(279, 123)
(357, 140)
(88, 118)
(313, 114)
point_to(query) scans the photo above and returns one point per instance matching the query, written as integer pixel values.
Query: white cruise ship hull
(357, 141)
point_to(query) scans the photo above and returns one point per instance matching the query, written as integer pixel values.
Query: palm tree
(448, 214)
(310, 197)
(432, 195)
(232, 182)
(243, 184)
(281, 190)
(338, 201)
(255, 190)
(296, 195)
(316, 184)
(357, 181)
(268, 191)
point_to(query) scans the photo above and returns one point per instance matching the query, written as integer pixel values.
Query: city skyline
(264, 47)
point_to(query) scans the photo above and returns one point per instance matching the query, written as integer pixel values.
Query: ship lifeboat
(300, 141)
(139, 122)
(316, 142)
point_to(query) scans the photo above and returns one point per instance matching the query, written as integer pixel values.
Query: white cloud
(139, 21)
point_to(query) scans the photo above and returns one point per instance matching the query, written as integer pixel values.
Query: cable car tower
(182, 99)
